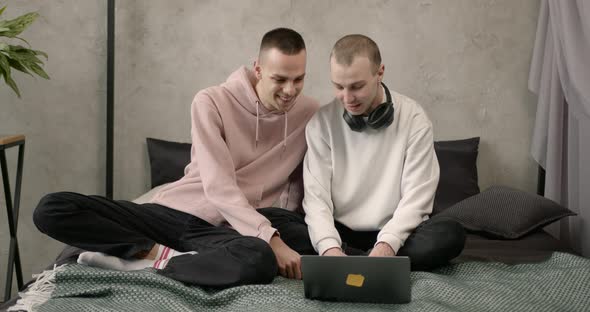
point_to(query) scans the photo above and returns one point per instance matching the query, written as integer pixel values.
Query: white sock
(104, 261)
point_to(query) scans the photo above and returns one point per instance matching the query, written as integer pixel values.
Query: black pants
(431, 245)
(122, 228)
(225, 258)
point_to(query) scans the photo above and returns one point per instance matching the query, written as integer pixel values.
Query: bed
(509, 262)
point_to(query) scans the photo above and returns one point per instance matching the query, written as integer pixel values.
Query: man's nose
(347, 97)
(289, 89)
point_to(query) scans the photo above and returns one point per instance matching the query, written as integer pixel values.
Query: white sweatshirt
(373, 180)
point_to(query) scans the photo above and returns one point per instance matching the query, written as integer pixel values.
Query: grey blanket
(561, 283)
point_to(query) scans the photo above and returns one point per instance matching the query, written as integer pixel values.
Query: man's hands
(334, 252)
(382, 249)
(289, 260)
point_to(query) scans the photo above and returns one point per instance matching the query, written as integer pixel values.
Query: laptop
(357, 278)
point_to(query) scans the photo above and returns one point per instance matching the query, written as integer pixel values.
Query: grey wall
(466, 61)
(62, 118)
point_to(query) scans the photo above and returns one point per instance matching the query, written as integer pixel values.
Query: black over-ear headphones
(380, 117)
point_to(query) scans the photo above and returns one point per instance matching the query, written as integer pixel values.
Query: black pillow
(167, 160)
(503, 212)
(457, 161)
(458, 172)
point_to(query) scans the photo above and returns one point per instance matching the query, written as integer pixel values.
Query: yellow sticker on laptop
(356, 280)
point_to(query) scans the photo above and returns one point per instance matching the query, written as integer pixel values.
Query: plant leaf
(17, 25)
(23, 40)
(19, 66)
(22, 54)
(41, 53)
(11, 84)
(38, 70)
(18, 57)
(4, 66)
(4, 63)
(26, 60)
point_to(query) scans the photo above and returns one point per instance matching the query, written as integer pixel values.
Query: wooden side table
(8, 141)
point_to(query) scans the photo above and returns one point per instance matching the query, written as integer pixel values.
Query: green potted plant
(21, 58)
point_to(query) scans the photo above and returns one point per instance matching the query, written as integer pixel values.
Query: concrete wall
(62, 118)
(466, 61)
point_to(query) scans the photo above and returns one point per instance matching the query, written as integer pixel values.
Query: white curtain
(560, 76)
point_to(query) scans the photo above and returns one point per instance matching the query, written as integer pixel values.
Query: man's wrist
(393, 241)
(275, 237)
(327, 243)
(331, 249)
(387, 249)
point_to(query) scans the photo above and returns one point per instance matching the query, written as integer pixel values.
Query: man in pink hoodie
(248, 140)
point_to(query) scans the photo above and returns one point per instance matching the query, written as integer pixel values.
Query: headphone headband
(387, 94)
(380, 117)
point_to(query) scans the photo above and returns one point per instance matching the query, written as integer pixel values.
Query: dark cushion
(167, 160)
(503, 212)
(457, 160)
(458, 172)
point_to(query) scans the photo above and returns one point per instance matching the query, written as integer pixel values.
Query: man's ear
(257, 69)
(381, 72)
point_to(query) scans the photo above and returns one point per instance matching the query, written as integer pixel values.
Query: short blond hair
(351, 46)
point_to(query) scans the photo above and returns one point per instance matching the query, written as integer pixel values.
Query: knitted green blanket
(560, 284)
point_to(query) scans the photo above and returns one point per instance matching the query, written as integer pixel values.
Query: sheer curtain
(560, 76)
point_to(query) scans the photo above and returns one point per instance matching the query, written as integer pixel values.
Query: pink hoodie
(241, 157)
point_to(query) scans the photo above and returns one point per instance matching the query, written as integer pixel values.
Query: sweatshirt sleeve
(317, 179)
(217, 171)
(418, 185)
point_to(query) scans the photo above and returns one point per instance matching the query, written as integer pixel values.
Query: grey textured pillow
(504, 212)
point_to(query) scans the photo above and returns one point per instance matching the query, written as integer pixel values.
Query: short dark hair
(286, 40)
(350, 46)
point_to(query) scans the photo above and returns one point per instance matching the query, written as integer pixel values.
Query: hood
(241, 86)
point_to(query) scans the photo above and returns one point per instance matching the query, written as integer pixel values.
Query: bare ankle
(148, 254)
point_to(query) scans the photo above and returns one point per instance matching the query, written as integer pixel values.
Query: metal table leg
(12, 212)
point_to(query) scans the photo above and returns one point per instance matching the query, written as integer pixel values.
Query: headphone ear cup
(356, 123)
(381, 116)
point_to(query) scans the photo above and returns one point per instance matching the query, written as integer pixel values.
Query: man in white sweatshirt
(370, 172)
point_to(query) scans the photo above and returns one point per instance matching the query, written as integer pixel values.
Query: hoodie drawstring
(257, 116)
(285, 136)
(285, 133)
(258, 126)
